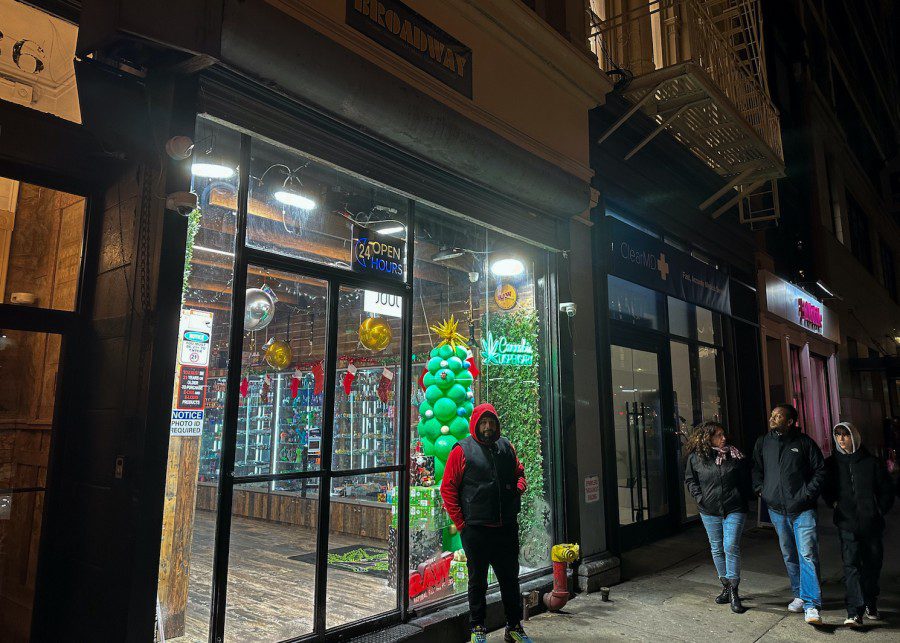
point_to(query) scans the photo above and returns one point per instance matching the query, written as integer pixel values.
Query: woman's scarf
(724, 452)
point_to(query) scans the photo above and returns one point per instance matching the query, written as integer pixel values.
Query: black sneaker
(854, 620)
(479, 634)
(872, 613)
(516, 635)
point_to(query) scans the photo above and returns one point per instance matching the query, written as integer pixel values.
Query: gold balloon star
(447, 331)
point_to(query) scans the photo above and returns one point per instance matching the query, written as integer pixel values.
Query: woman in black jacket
(718, 477)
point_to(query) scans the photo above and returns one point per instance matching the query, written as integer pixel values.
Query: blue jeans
(800, 549)
(725, 543)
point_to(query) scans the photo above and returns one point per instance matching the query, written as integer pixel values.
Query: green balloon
(457, 393)
(434, 364)
(431, 429)
(442, 447)
(455, 364)
(424, 407)
(435, 352)
(444, 379)
(464, 378)
(461, 353)
(469, 407)
(438, 469)
(459, 428)
(433, 393)
(427, 446)
(428, 380)
(445, 351)
(445, 410)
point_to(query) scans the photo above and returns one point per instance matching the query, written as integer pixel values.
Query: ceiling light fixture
(391, 230)
(288, 196)
(507, 267)
(212, 171)
(822, 286)
(447, 252)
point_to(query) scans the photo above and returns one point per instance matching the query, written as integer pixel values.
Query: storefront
(346, 289)
(671, 321)
(801, 338)
(346, 304)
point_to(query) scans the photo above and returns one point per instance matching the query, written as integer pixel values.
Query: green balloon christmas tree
(444, 415)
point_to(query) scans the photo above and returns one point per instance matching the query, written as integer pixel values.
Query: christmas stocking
(319, 374)
(422, 378)
(295, 383)
(266, 385)
(473, 368)
(349, 376)
(245, 387)
(385, 384)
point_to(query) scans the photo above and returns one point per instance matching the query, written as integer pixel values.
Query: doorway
(646, 447)
(41, 251)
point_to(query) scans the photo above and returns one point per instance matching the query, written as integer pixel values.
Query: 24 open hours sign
(375, 254)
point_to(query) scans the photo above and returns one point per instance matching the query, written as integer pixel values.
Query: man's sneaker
(854, 620)
(516, 635)
(872, 613)
(479, 634)
(796, 606)
(812, 616)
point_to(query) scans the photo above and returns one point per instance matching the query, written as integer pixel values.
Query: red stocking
(473, 367)
(385, 384)
(245, 387)
(422, 378)
(349, 376)
(318, 373)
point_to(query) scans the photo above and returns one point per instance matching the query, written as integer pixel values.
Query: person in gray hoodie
(857, 486)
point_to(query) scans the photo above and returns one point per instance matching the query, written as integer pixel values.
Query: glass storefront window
(712, 390)
(635, 304)
(303, 208)
(495, 288)
(693, 322)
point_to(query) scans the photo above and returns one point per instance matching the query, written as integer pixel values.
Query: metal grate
(390, 635)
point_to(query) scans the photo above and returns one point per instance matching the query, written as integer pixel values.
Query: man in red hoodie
(482, 485)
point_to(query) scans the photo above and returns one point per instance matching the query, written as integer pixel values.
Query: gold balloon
(278, 354)
(375, 334)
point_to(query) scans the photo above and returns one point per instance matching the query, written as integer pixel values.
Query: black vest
(489, 494)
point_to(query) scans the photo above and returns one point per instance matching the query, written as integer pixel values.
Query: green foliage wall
(515, 393)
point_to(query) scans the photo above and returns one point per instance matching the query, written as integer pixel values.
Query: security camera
(568, 308)
(182, 202)
(473, 277)
(179, 147)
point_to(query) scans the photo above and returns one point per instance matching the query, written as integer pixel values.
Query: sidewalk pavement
(669, 586)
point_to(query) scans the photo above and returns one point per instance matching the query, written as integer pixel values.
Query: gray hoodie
(855, 437)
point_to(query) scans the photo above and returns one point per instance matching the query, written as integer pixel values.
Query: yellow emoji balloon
(375, 334)
(278, 355)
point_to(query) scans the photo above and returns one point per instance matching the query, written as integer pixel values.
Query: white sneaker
(812, 616)
(796, 606)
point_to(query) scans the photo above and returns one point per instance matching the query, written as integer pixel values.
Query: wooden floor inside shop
(270, 596)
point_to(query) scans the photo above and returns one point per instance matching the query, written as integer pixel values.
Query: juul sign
(810, 314)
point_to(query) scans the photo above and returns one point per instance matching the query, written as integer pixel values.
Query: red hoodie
(456, 464)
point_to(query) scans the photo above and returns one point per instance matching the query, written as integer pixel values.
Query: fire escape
(697, 68)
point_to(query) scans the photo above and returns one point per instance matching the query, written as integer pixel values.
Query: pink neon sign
(810, 313)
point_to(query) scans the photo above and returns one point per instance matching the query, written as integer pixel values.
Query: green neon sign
(502, 352)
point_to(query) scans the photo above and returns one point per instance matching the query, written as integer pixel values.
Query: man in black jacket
(788, 471)
(858, 487)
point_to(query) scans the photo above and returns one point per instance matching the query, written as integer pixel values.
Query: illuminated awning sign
(501, 352)
(810, 314)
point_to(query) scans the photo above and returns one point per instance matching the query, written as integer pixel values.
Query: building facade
(831, 72)
(283, 204)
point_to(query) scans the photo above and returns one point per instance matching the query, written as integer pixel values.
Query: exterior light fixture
(447, 252)
(392, 230)
(507, 267)
(212, 171)
(822, 286)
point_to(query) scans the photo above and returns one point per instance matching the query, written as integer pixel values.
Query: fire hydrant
(561, 555)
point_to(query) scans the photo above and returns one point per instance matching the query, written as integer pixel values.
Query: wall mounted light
(212, 171)
(291, 192)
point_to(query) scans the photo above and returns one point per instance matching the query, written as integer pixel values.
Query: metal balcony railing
(697, 68)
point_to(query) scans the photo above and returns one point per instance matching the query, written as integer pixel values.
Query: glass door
(644, 462)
